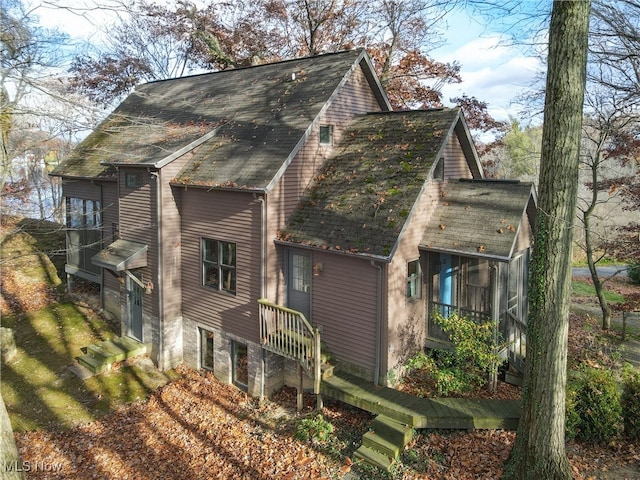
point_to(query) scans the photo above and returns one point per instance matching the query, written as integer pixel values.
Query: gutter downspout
(376, 372)
(263, 245)
(495, 315)
(263, 282)
(160, 283)
(101, 187)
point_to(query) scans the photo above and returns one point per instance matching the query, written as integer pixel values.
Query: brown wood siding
(138, 213)
(171, 281)
(81, 189)
(344, 303)
(455, 162)
(231, 217)
(354, 98)
(407, 317)
(525, 235)
(107, 194)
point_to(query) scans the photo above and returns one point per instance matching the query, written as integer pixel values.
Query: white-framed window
(206, 349)
(326, 134)
(219, 265)
(414, 283)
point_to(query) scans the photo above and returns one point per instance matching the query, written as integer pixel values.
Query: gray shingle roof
(478, 217)
(361, 199)
(258, 113)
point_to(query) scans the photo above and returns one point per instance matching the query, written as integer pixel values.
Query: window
(326, 134)
(83, 213)
(240, 364)
(84, 233)
(133, 180)
(301, 272)
(206, 349)
(414, 285)
(219, 265)
(438, 172)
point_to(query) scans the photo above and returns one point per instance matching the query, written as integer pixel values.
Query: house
(234, 219)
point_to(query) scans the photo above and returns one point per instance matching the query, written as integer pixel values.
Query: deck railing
(288, 333)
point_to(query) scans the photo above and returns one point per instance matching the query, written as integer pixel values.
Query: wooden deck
(419, 412)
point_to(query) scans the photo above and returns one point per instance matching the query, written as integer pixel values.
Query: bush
(594, 410)
(631, 403)
(468, 366)
(633, 271)
(315, 429)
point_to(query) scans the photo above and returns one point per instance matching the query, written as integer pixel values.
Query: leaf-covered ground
(199, 428)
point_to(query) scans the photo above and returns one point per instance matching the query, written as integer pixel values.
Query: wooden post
(317, 369)
(624, 325)
(300, 403)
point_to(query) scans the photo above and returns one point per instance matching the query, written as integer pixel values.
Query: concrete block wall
(172, 339)
(262, 365)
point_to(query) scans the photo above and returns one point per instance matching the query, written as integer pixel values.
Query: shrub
(633, 271)
(314, 428)
(473, 358)
(631, 403)
(594, 411)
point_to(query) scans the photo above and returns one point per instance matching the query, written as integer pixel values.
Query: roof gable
(241, 124)
(362, 198)
(478, 217)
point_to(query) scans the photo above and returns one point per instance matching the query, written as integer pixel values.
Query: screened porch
(483, 289)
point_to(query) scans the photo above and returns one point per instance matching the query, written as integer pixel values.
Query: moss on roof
(360, 200)
(480, 217)
(258, 113)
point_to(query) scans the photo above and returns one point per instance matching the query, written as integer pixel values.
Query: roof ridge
(418, 110)
(247, 67)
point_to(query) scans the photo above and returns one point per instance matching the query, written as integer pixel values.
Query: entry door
(299, 282)
(134, 300)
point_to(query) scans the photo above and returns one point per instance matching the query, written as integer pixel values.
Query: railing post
(317, 356)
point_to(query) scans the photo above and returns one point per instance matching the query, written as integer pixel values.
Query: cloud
(492, 70)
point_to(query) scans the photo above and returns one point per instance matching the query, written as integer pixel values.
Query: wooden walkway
(419, 412)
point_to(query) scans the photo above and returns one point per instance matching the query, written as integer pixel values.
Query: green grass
(585, 289)
(37, 386)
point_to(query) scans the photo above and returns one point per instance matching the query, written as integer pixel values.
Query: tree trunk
(588, 243)
(539, 450)
(597, 283)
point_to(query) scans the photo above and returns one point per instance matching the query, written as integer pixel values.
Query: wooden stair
(399, 413)
(382, 445)
(99, 358)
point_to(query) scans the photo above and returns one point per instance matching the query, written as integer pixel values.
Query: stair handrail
(287, 332)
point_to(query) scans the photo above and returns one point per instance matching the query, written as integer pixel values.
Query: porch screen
(459, 284)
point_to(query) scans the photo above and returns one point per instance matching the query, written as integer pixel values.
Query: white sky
(492, 71)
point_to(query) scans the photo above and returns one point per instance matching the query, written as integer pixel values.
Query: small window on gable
(326, 134)
(414, 284)
(438, 172)
(133, 180)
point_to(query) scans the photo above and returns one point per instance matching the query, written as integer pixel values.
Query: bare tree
(28, 54)
(608, 147)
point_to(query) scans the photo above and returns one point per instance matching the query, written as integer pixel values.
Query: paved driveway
(620, 270)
